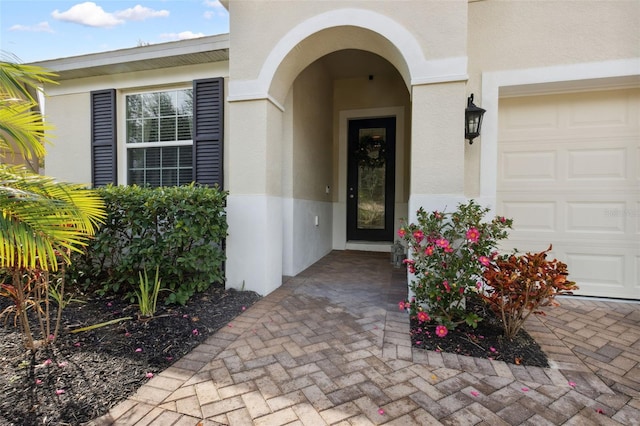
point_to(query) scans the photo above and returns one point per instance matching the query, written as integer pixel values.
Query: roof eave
(184, 52)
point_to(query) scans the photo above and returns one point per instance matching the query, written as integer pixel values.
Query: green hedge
(179, 229)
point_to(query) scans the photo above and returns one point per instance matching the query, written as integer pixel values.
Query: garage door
(569, 175)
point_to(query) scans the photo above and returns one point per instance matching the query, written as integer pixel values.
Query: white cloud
(140, 13)
(42, 27)
(88, 14)
(92, 15)
(184, 35)
(217, 9)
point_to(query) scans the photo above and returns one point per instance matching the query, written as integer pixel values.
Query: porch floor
(330, 347)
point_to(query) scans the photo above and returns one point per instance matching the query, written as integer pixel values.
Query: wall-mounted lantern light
(472, 120)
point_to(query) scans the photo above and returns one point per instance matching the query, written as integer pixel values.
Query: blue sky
(35, 30)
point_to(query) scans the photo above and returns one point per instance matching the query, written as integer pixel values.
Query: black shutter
(103, 138)
(208, 120)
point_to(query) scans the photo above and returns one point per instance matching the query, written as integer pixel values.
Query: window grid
(159, 138)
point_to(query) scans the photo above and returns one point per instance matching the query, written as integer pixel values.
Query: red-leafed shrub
(518, 285)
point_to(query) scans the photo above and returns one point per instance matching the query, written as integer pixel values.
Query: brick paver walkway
(329, 347)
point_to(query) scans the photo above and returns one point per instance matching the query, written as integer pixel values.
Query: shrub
(448, 253)
(519, 285)
(179, 230)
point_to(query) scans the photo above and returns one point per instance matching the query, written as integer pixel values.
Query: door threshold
(380, 246)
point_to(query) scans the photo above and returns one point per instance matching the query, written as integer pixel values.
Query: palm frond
(41, 217)
(23, 126)
(16, 79)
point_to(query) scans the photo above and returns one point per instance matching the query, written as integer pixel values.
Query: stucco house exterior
(280, 110)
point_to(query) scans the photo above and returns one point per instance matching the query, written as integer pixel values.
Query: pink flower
(109, 304)
(423, 316)
(127, 334)
(77, 344)
(47, 362)
(138, 349)
(525, 389)
(63, 364)
(38, 382)
(381, 411)
(401, 232)
(149, 375)
(473, 235)
(185, 316)
(52, 337)
(475, 393)
(442, 242)
(418, 235)
(441, 331)
(195, 332)
(437, 214)
(429, 250)
(410, 265)
(484, 260)
(599, 411)
(492, 349)
(479, 285)
(244, 308)
(59, 391)
(446, 285)
(572, 384)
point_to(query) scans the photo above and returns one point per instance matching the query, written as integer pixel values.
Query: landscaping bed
(83, 375)
(485, 341)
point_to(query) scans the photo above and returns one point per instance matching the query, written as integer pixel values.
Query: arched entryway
(330, 200)
(290, 112)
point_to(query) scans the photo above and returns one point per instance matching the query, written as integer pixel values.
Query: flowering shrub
(518, 285)
(448, 255)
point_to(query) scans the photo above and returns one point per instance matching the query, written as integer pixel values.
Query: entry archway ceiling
(345, 38)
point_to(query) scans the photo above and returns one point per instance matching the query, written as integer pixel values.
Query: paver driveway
(330, 347)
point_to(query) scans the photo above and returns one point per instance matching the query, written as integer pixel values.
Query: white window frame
(123, 146)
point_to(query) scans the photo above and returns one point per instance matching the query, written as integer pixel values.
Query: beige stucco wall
(437, 156)
(527, 34)
(259, 25)
(69, 159)
(312, 135)
(518, 35)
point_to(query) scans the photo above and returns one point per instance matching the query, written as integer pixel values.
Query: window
(160, 144)
(160, 138)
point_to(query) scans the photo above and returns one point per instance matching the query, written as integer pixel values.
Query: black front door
(371, 179)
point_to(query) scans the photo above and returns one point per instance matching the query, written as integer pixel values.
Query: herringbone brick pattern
(330, 348)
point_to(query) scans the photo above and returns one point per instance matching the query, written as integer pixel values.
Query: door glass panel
(371, 178)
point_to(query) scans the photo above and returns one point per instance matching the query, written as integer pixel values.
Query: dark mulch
(83, 375)
(485, 341)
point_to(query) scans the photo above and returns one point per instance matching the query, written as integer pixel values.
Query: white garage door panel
(532, 216)
(569, 175)
(595, 164)
(595, 217)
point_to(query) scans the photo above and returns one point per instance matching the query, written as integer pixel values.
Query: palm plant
(42, 220)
